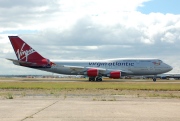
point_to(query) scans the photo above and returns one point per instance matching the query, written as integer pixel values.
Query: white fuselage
(94, 69)
(130, 66)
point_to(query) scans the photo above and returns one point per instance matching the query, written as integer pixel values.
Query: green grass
(9, 96)
(92, 85)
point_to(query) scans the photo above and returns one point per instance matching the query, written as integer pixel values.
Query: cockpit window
(160, 61)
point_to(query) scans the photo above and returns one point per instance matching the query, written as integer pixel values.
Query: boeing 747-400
(94, 69)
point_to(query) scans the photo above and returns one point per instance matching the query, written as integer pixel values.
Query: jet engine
(115, 74)
(92, 72)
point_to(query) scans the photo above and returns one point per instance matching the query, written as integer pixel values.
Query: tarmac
(79, 108)
(38, 106)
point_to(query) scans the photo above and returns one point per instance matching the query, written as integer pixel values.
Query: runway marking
(31, 116)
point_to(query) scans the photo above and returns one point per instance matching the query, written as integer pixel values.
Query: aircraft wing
(81, 69)
(77, 68)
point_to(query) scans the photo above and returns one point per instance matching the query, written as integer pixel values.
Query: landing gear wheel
(98, 79)
(154, 79)
(91, 78)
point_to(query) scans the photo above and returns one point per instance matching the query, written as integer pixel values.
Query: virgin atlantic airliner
(94, 69)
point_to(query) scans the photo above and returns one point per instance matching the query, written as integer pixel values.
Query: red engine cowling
(92, 72)
(115, 74)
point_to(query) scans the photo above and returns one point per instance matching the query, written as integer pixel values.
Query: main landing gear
(98, 79)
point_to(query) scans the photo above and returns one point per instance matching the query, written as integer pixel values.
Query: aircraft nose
(170, 67)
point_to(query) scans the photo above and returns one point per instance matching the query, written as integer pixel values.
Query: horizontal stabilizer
(20, 62)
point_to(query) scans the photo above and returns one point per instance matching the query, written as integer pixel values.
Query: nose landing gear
(154, 78)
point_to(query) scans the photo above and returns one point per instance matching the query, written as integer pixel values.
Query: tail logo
(23, 54)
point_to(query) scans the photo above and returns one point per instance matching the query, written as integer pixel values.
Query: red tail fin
(27, 56)
(23, 51)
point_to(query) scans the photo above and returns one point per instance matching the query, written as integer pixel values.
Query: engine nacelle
(115, 74)
(92, 72)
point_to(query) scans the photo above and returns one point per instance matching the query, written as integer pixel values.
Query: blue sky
(161, 6)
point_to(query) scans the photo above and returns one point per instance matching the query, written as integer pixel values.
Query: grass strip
(92, 85)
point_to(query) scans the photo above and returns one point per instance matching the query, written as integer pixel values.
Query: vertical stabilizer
(23, 51)
(27, 56)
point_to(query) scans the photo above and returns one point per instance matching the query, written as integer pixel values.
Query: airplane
(94, 69)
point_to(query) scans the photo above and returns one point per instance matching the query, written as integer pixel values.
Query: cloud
(26, 14)
(91, 29)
